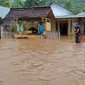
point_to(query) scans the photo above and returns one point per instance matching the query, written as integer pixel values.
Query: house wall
(82, 21)
(7, 22)
(72, 25)
(53, 25)
(47, 25)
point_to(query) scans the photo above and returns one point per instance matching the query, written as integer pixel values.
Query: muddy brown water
(41, 62)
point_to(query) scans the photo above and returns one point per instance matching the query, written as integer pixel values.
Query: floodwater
(41, 62)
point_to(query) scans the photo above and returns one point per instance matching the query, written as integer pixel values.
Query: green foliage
(13, 27)
(17, 4)
(4, 3)
(35, 3)
(68, 4)
(76, 6)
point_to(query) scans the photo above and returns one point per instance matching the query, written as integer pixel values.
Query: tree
(35, 2)
(17, 4)
(5, 3)
(68, 4)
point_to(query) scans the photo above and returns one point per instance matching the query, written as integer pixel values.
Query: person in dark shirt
(34, 30)
(77, 32)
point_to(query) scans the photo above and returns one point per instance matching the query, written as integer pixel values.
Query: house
(3, 12)
(81, 19)
(62, 25)
(72, 18)
(50, 15)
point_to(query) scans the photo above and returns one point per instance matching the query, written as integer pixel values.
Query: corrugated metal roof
(80, 15)
(60, 11)
(4, 11)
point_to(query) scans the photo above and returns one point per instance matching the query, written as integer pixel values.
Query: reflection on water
(41, 62)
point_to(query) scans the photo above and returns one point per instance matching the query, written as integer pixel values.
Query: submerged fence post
(58, 30)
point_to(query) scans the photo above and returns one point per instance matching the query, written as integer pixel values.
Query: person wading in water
(77, 32)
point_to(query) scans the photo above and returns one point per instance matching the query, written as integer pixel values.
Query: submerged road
(41, 62)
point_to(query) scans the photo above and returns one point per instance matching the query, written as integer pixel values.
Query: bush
(13, 27)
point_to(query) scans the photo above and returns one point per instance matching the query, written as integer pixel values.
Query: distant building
(3, 12)
(3, 21)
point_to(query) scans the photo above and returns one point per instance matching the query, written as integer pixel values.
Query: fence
(6, 32)
(49, 35)
(52, 35)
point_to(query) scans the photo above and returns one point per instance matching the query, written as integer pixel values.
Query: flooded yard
(41, 62)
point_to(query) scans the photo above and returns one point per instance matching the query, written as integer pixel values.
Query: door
(63, 28)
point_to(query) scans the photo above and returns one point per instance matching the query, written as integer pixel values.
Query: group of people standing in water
(40, 29)
(35, 30)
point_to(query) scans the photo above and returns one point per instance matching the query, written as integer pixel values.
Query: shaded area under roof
(4, 11)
